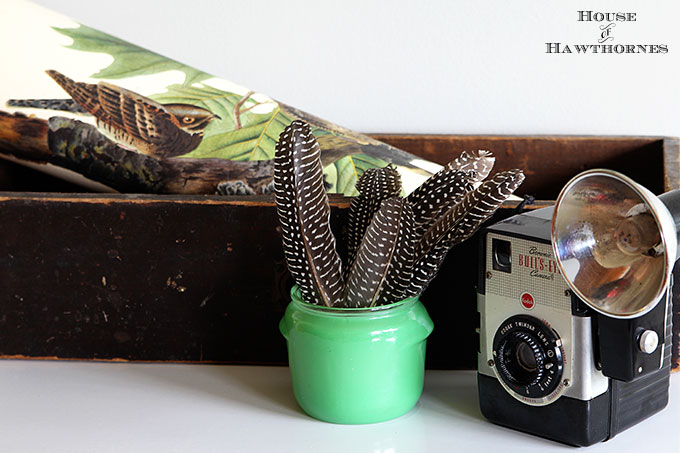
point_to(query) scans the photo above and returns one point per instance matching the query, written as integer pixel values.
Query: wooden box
(203, 279)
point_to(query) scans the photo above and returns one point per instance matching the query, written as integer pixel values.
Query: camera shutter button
(648, 342)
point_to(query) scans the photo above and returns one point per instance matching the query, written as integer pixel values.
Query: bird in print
(151, 128)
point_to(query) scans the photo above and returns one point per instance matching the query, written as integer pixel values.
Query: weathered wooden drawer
(202, 278)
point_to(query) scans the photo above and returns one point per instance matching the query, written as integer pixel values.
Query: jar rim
(296, 298)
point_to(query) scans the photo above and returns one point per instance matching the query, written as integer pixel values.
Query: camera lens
(528, 357)
(521, 358)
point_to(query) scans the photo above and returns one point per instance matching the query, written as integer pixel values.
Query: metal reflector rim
(663, 220)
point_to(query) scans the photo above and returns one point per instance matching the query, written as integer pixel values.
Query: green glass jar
(356, 365)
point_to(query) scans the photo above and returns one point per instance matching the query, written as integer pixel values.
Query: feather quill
(304, 215)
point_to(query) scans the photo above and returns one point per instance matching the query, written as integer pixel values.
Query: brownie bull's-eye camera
(575, 311)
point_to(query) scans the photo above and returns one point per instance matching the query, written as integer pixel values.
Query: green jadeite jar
(356, 365)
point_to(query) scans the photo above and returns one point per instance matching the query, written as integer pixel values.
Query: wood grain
(165, 277)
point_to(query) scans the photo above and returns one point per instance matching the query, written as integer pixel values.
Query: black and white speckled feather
(400, 272)
(304, 214)
(376, 255)
(483, 202)
(448, 186)
(374, 186)
(480, 162)
(458, 224)
(436, 195)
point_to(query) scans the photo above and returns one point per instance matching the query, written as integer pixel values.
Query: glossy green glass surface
(355, 366)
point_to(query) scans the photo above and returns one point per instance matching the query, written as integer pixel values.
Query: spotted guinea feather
(375, 256)
(447, 187)
(458, 224)
(374, 186)
(483, 202)
(400, 272)
(481, 162)
(304, 215)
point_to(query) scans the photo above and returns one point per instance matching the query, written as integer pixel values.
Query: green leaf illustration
(344, 172)
(128, 59)
(249, 125)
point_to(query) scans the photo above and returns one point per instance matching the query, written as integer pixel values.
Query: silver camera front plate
(526, 281)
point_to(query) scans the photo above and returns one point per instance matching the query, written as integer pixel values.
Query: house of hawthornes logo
(606, 26)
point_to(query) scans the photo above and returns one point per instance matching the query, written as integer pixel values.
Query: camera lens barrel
(528, 358)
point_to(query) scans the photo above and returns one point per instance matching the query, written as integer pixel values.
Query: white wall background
(463, 66)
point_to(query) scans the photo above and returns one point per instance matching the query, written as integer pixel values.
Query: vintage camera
(576, 310)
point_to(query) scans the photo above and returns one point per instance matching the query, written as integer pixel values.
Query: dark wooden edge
(671, 146)
(478, 137)
(121, 360)
(336, 200)
(671, 167)
(106, 198)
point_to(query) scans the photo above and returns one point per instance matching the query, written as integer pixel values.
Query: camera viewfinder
(502, 255)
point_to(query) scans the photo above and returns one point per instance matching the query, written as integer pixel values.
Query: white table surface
(100, 407)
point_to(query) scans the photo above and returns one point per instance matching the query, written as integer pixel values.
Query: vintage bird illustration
(151, 128)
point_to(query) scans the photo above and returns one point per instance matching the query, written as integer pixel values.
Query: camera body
(548, 364)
